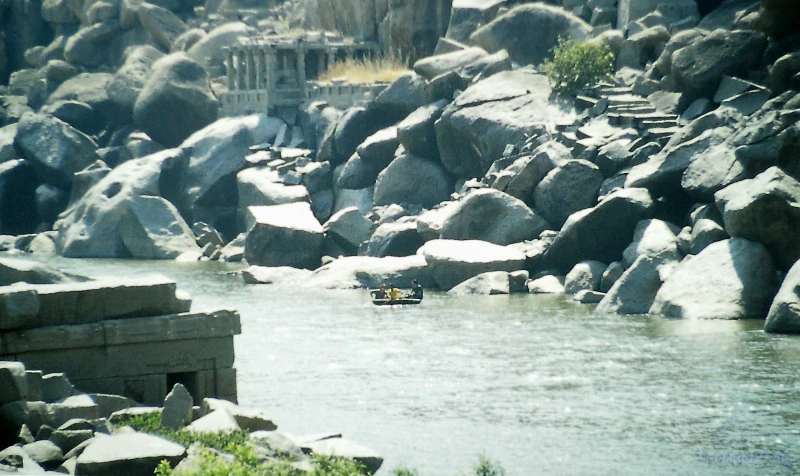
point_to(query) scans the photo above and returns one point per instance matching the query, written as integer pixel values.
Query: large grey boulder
(352, 129)
(784, 313)
(635, 290)
(23, 463)
(467, 16)
(394, 239)
(379, 147)
(216, 154)
(663, 172)
(412, 180)
(131, 77)
(654, 238)
(175, 101)
(152, 228)
(493, 216)
(406, 93)
(506, 108)
(699, 67)
(58, 11)
(567, 189)
(452, 261)
(163, 25)
(45, 453)
(357, 173)
(437, 65)
(247, 419)
(89, 46)
(209, 51)
(600, 233)
(284, 235)
(416, 132)
(527, 172)
(55, 149)
(349, 228)
(77, 114)
(352, 272)
(548, 284)
(704, 232)
(128, 453)
(712, 171)
(491, 283)
(511, 31)
(584, 275)
(90, 228)
(262, 186)
(765, 209)
(370, 158)
(731, 279)
(91, 89)
(344, 448)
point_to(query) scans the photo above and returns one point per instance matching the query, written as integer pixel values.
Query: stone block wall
(141, 358)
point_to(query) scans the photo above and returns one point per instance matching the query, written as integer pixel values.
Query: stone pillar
(240, 69)
(248, 68)
(259, 63)
(271, 77)
(230, 68)
(301, 72)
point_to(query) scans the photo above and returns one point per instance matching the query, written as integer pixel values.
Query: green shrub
(488, 467)
(403, 471)
(578, 64)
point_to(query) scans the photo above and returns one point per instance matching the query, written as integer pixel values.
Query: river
(540, 384)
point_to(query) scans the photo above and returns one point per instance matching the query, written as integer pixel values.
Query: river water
(538, 383)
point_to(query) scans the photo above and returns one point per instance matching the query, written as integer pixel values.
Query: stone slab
(128, 331)
(134, 359)
(108, 298)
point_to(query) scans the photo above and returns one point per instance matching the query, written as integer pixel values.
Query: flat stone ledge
(183, 326)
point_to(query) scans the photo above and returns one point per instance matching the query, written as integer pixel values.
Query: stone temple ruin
(272, 72)
(134, 337)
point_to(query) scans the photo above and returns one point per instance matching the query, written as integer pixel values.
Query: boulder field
(671, 188)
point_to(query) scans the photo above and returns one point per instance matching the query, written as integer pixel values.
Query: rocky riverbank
(54, 429)
(672, 190)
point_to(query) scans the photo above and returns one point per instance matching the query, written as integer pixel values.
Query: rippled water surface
(540, 384)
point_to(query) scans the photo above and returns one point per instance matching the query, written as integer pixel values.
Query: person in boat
(393, 293)
(416, 290)
(380, 293)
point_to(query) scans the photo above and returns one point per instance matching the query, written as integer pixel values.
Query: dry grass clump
(385, 67)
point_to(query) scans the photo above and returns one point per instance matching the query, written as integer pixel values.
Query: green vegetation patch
(578, 64)
(234, 454)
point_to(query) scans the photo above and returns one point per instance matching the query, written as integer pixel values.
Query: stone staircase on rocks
(625, 109)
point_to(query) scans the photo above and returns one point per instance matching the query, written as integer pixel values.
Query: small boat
(395, 302)
(401, 301)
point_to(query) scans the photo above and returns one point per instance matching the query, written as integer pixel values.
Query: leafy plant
(578, 64)
(488, 467)
(403, 471)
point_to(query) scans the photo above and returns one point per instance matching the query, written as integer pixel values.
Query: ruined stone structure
(275, 72)
(135, 338)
